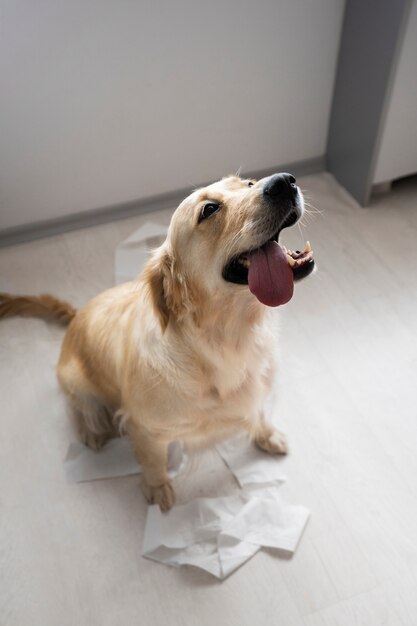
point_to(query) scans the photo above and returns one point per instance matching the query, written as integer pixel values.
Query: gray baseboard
(85, 219)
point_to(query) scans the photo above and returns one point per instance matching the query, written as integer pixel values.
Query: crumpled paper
(220, 534)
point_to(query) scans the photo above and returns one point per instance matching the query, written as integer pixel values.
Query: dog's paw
(164, 495)
(274, 443)
(94, 441)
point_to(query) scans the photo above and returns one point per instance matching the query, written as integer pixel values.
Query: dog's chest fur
(232, 377)
(212, 380)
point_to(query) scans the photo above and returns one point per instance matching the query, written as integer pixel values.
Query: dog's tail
(45, 306)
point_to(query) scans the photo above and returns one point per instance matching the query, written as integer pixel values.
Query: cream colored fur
(178, 353)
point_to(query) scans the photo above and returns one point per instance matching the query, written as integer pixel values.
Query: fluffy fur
(178, 353)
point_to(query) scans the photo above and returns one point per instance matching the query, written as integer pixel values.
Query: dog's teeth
(308, 247)
(291, 261)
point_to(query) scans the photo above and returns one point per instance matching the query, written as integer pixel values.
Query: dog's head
(222, 243)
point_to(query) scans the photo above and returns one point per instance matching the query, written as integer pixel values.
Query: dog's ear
(167, 287)
(153, 276)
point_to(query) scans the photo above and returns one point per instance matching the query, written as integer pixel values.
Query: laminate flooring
(70, 553)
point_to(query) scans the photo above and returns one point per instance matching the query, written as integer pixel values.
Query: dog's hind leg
(92, 421)
(92, 418)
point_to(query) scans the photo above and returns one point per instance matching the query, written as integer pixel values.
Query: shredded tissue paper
(216, 534)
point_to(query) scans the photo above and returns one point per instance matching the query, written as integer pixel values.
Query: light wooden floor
(70, 554)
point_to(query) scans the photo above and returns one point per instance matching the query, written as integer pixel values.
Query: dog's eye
(251, 183)
(208, 210)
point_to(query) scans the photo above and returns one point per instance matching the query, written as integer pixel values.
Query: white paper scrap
(269, 521)
(249, 464)
(133, 253)
(219, 534)
(116, 458)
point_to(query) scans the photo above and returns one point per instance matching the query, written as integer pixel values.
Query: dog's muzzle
(281, 192)
(268, 268)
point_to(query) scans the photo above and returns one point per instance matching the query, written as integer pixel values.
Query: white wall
(398, 150)
(106, 101)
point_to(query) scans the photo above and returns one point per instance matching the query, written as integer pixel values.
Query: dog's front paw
(164, 495)
(274, 443)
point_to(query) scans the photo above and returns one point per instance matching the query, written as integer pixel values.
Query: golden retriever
(184, 351)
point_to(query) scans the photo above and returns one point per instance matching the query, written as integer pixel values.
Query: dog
(185, 350)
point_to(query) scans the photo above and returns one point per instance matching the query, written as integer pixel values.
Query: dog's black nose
(281, 188)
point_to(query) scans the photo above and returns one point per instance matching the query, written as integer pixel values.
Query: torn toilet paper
(220, 534)
(249, 464)
(215, 534)
(133, 252)
(116, 458)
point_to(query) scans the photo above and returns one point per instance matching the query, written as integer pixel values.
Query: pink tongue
(270, 277)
